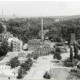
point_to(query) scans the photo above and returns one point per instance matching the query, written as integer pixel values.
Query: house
(15, 44)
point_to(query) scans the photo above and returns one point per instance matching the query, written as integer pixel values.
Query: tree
(14, 62)
(1, 28)
(57, 54)
(21, 73)
(4, 48)
(35, 56)
(75, 50)
(71, 54)
(29, 61)
(26, 66)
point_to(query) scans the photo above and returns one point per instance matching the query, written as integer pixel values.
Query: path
(39, 68)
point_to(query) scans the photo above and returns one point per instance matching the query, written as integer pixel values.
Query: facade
(43, 49)
(15, 44)
(33, 44)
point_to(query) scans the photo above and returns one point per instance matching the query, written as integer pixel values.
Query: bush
(25, 66)
(58, 50)
(69, 63)
(14, 62)
(35, 56)
(21, 73)
(29, 61)
(46, 75)
(57, 55)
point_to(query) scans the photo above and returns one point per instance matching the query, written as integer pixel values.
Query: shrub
(57, 55)
(29, 61)
(14, 62)
(21, 73)
(35, 56)
(69, 63)
(46, 75)
(25, 66)
(58, 50)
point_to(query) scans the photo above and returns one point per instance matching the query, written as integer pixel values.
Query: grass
(73, 76)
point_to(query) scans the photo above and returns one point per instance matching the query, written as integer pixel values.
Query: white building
(15, 44)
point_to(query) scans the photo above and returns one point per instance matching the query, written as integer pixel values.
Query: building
(15, 44)
(7, 35)
(43, 49)
(34, 44)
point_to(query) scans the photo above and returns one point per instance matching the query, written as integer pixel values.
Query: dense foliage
(28, 28)
(1, 28)
(14, 62)
(4, 48)
(24, 68)
(57, 54)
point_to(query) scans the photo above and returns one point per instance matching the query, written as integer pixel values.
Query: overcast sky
(40, 8)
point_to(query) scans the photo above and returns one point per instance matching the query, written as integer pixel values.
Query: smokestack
(42, 35)
(2, 14)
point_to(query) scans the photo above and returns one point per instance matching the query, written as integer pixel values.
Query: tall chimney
(42, 35)
(2, 14)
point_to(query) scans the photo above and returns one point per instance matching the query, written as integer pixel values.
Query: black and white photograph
(39, 40)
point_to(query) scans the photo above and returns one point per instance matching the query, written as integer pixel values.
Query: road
(39, 68)
(42, 65)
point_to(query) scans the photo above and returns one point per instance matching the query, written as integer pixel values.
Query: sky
(40, 8)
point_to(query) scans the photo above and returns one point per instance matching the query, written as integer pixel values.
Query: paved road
(43, 65)
(39, 68)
